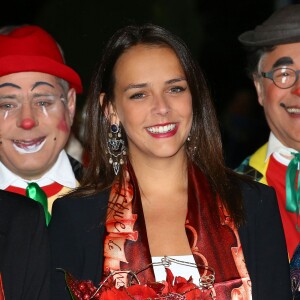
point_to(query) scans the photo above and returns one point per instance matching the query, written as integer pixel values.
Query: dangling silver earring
(190, 148)
(116, 147)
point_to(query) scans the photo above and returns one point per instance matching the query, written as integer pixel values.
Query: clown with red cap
(37, 107)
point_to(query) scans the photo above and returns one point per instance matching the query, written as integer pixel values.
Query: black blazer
(24, 248)
(77, 230)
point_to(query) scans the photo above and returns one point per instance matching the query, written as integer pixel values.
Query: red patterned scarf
(213, 238)
(2, 297)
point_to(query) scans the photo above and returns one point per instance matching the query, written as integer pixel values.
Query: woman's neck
(163, 186)
(160, 175)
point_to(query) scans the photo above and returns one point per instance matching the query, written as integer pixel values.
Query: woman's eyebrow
(175, 80)
(135, 86)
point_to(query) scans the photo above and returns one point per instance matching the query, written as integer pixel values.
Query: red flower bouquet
(172, 289)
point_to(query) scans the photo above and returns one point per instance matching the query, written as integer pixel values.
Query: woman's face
(153, 102)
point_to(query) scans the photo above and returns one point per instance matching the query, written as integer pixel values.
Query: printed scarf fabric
(213, 238)
(2, 297)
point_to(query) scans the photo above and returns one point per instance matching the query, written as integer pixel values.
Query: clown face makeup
(36, 114)
(281, 106)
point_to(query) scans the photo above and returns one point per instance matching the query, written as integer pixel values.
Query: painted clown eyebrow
(10, 84)
(41, 83)
(283, 61)
(18, 87)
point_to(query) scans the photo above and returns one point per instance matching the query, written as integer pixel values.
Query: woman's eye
(177, 89)
(137, 96)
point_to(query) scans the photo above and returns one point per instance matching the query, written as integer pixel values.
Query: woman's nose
(161, 105)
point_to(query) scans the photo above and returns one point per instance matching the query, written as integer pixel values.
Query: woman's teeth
(161, 129)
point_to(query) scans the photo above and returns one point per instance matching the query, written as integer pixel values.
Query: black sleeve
(38, 266)
(76, 236)
(65, 254)
(264, 245)
(26, 265)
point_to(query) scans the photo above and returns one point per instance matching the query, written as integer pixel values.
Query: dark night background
(210, 28)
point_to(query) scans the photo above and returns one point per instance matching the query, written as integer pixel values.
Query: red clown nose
(27, 124)
(296, 92)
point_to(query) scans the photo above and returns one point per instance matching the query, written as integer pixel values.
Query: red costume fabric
(276, 178)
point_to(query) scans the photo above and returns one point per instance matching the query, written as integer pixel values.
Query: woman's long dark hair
(205, 147)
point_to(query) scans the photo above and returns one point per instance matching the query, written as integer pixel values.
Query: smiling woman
(157, 189)
(153, 103)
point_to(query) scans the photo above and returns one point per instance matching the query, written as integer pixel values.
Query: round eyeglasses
(283, 78)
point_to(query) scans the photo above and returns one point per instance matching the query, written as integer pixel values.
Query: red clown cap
(32, 49)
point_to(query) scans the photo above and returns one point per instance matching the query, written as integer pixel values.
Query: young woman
(156, 186)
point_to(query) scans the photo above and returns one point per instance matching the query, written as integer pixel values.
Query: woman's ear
(101, 99)
(110, 111)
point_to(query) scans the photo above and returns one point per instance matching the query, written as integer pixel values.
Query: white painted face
(281, 106)
(35, 122)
